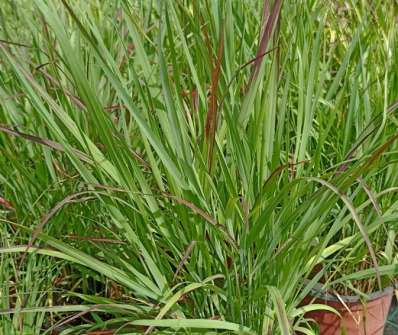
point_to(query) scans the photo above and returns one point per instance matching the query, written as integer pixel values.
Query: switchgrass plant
(184, 167)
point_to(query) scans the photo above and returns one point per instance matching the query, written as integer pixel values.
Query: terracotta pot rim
(319, 292)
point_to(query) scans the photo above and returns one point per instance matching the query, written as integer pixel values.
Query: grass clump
(182, 167)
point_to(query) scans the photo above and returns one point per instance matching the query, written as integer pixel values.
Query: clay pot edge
(318, 292)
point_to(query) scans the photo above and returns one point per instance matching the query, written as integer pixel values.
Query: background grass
(187, 165)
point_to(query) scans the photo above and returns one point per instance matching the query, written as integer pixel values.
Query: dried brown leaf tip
(102, 332)
(268, 24)
(6, 204)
